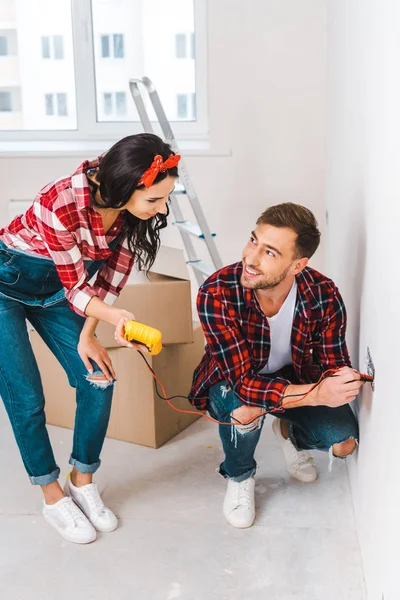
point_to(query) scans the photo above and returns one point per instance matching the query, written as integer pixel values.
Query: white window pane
(46, 47)
(180, 42)
(58, 46)
(5, 102)
(143, 37)
(107, 104)
(121, 103)
(3, 45)
(62, 105)
(118, 45)
(182, 106)
(105, 46)
(49, 100)
(41, 32)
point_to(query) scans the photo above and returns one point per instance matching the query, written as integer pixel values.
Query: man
(273, 326)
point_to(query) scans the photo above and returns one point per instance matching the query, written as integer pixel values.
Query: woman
(97, 222)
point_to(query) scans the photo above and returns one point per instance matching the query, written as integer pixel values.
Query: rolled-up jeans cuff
(82, 468)
(45, 479)
(238, 478)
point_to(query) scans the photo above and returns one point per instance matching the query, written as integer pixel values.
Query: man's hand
(90, 348)
(245, 413)
(340, 389)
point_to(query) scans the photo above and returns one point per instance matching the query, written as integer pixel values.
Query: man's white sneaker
(238, 507)
(89, 501)
(300, 463)
(69, 521)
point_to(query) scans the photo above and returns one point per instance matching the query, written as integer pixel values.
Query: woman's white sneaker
(89, 501)
(299, 463)
(69, 521)
(239, 509)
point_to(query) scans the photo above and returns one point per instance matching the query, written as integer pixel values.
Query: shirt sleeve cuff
(79, 299)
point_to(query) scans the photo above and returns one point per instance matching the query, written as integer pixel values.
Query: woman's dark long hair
(118, 175)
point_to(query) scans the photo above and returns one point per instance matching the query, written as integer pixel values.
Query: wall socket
(370, 367)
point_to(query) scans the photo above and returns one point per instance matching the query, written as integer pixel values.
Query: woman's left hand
(90, 348)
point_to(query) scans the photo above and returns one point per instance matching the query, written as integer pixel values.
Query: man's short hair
(298, 218)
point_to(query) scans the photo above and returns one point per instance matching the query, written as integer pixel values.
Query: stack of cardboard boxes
(138, 415)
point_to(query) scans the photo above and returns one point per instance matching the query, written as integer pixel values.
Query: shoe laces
(94, 499)
(71, 512)
(301, 457)
(245, 495)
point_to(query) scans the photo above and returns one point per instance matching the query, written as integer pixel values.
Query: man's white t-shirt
(281, 326)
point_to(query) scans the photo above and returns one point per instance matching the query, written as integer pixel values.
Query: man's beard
(264, 283)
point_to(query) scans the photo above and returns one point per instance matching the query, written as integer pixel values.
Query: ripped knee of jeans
(248, 427)
(350, 446)
(98, 380)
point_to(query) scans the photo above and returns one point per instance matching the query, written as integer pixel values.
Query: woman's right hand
(123, 317)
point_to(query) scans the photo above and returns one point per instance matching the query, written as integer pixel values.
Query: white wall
(363, 188)
(266, 100)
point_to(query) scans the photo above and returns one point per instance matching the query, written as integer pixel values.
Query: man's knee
(344, 448)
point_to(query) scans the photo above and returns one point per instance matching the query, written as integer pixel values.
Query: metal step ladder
(184, 187)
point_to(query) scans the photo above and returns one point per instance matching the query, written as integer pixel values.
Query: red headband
(158, 166)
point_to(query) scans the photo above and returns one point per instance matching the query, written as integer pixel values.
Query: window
(58, 44)
(62, 105)
(49, 104)
(118, 45)
(192, 46)
(120, 100)
(186, 106)
(56, 105)
(5, 102)
(180, 42)
(3, 45)
(46, 47)
(91, 49)
(105, 46)
(114, 41)
(114, 104)
(52, 46)
(108, 104)
(182, 106)
(194, 109)
(184, 45)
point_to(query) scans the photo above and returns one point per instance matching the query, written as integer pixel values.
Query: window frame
(85, 89)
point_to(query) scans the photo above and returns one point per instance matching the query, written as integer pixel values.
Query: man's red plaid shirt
(63, 225)
(238, 338)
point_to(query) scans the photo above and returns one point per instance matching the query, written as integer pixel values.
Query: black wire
(267, 412)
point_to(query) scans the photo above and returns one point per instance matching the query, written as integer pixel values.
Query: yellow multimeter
(143, 334)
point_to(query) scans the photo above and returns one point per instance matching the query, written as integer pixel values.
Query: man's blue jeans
(310, 428)
(30, 289)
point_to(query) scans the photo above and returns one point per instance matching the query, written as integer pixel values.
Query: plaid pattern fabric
(238, 338)
(62, 225)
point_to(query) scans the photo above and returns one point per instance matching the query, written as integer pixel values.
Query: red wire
(196, 412)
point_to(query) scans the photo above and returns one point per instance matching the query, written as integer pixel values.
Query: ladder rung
(191, 228)
(202, 267)
(178, 189)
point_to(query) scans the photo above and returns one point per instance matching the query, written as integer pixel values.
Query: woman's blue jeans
(310, 428)
(30, 289)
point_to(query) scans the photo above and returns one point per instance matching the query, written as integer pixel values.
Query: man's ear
(299, 265)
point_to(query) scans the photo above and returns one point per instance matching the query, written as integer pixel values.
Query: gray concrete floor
(173, 542)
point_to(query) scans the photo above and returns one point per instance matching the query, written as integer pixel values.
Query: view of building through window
(131, 38)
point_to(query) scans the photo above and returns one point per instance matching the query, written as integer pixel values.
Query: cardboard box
(163, 301)
(137, 414)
